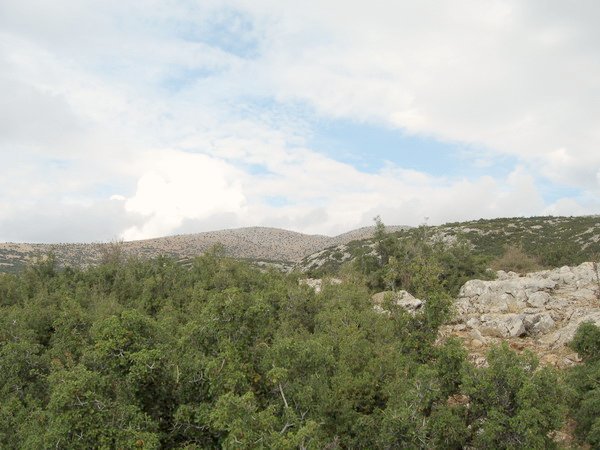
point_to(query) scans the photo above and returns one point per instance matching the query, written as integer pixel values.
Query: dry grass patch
(516, 260)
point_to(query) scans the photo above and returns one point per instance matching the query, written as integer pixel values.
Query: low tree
(585, 383)
(513, 403)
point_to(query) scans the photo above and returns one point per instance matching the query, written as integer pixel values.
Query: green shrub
(584, 381)
(219, 354)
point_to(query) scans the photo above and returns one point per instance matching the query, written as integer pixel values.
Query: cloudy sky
(134, 119)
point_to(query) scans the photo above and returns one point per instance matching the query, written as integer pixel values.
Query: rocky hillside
(540, 311)
(255, 243)
(554, 241)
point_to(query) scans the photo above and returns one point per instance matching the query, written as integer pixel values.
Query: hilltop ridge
(254, 243)
(561, 240)
(557, 241)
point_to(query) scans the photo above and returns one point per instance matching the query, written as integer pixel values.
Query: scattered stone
(564, 335)
(480, 361)
(550, 359)
(476, 343)
(584, 294)
(544, 324)
(540, 311)
(401, 298)
(318, 283)
(476, 335)
(573, 357)
(473, 322)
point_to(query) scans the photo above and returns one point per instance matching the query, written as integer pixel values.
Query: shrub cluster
(419, 264)
(584, 381)
(150, 354)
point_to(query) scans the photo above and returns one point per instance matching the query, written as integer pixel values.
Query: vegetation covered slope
(550, 241)
(254, 243)
(546, 241)
(150, 354)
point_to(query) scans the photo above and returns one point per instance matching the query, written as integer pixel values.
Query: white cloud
(519, 78)
(91, 89)
(180, 187)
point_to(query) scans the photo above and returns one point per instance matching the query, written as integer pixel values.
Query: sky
(135, 119)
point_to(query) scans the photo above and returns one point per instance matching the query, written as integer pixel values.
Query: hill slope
(560, 240)
(254, 243)
(556, 241)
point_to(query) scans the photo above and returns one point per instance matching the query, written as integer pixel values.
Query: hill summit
(555, 241)
(252, 243)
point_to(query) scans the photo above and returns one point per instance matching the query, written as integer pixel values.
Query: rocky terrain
(254, 243)
(556, 240)
(539, 311)
(577, 238)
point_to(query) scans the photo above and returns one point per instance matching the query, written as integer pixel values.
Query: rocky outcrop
(400, 298)
(255, 243)
(541, 310)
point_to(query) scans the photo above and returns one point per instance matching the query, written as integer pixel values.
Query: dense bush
(149, 354)
(419, 264)
(585, 383)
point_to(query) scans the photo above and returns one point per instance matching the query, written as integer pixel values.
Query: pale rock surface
(540, 311)
(400, 298)
(538, 299)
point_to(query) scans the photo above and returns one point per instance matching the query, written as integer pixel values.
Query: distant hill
(568, 240)
(255, 243)
(555, 241)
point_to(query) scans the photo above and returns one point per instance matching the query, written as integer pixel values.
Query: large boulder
(565, 334)
(503, 325)
(538, 299)
(543, 307)
(401, 298)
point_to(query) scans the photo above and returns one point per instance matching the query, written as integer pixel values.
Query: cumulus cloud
(182, 187)
(519, 78)
(57, 221)
(148, 118)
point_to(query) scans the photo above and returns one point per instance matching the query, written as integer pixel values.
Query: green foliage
(587, 342)
(218, 354)
(562, 252)
(514, 404)
(584, 381)
(544, 242)
(420, 265)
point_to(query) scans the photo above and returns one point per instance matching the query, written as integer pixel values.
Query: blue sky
(370, 147)
(127, 119)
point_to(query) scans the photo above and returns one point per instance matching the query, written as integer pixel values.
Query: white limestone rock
(546, 306)
(503, 325)
(401, 298)
(474, 288)
(564, 335)
(543, 325)
(538, 299)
